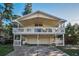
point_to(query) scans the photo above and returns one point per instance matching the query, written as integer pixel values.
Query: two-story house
(39, 28)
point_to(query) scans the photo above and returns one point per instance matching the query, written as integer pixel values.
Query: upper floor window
(38, 24)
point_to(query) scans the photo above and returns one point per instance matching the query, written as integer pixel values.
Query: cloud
(74, 21)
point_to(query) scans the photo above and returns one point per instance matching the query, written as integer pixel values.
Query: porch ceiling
(38, 20)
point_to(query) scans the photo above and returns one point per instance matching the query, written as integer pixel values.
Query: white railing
(59, 42)
(17, 43)
(38, 30)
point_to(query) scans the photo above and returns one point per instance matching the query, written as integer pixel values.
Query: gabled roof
(39, 12)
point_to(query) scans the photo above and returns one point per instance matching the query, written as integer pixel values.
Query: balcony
(39, 30)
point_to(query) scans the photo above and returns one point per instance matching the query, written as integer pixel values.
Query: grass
(71, 52)
(5, 49)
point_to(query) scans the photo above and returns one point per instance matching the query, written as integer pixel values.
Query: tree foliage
(27, 9)
(15, 17)
(72, 34)
(8, 11)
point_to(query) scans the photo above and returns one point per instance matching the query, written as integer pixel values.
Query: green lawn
(5, 49)
(71, 52)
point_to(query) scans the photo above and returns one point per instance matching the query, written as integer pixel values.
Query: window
(38, 25)
(38, 30)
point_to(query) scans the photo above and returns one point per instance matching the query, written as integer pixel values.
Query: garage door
(31, 39)
(43, 39)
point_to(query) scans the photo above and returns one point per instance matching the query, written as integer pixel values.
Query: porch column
(20, 40)
(13, 39)
(60, 25)
(38, 40)
(18, 26)
(64, 27)
(55, 40)
(63, 40)
(50, 39)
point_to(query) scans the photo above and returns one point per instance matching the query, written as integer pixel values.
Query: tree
(76, 32)
(7, 13)
(1, 18)
(1, 15)
(27, 9)
(70, 36)
(1, 11)
(15, 17)
(8, 30)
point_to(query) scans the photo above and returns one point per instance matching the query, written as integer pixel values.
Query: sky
(69, 12)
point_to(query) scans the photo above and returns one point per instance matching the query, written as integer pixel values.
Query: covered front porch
(54, 39)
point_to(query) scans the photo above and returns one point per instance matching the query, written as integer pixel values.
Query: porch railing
(38, 30)
(59, 42)
(17, 43)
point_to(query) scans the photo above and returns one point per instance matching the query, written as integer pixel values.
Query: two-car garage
(38, 39)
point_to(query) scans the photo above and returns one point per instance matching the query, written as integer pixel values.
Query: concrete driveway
(37, 51)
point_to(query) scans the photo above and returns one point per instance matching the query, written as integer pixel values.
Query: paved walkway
(36, 51)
